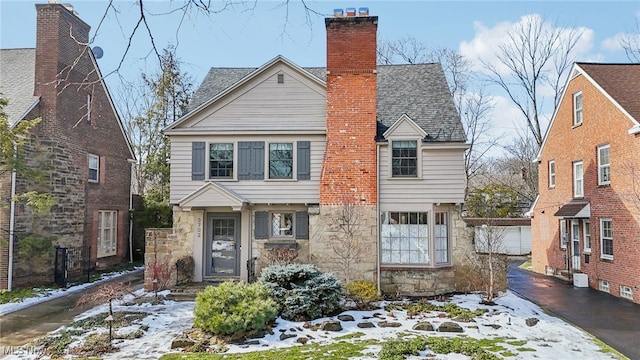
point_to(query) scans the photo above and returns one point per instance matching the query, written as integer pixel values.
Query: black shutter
(197, 160)
(304, 160)
(262, 225)
(302, 225)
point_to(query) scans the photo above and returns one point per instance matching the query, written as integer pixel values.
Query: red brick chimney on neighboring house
(61, 37)
(349, 170)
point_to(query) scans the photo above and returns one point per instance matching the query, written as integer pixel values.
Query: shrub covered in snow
(302, 291)
(234, 307)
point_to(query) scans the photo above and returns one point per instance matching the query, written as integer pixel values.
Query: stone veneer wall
(165, 246)
(431, 281)
(326, 239)
(262, 254)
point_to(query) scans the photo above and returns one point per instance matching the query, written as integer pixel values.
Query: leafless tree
(105, 294)
(536, 55)
(348, 248)
(630, 42)
(474, 106)
(520, 165)
(492, 264)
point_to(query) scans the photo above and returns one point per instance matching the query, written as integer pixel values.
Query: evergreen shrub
(302, 291)
(363, 293)
(234, 307)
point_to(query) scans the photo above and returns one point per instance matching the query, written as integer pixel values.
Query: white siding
(256, 191)
(442, 179)
(264, 104)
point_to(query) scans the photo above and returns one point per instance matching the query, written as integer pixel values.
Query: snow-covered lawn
(550, 338)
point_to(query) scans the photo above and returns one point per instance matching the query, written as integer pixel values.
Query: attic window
(280, 78)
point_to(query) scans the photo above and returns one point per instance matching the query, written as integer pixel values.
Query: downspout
(378, 216)
(12, 225)
(132, 162)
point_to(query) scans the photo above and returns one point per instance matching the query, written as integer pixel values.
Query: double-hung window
(552, 173)
(221, 161)
(604, 165)
(578, 179)
(606, 239)
(94, 168)
(107, 231)
(281, 161)
(577, 108)
(404, 158)
(586, 231)
(405, 238)
(564, 234)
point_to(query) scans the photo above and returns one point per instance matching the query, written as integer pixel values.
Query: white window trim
(114, 233)
(430, 245)
(552, 174)
(602, 166)
(578, 191)
(602, 254)
(564, 235)
(97, 179)
(603, 285)
(294, 155)
(626, 292)
(419, 149)
(586, 229)
(576, 110)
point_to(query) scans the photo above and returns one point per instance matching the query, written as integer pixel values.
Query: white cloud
(613, 43)
(485, 45)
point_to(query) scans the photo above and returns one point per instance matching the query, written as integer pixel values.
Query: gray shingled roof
(17, 72)
(418, 90)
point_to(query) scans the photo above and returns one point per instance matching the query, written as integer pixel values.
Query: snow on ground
(551, 338)
(50, 294)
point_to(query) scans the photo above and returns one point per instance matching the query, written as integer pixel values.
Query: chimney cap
(363, 11)
(338, 13)
(351, 11)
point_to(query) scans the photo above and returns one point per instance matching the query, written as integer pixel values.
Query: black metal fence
(72, 264)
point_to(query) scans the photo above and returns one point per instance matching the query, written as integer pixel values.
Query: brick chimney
(61, 37)
(349, 171)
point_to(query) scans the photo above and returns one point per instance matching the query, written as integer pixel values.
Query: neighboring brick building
(587, 216)
(79, 146)
(356, 167)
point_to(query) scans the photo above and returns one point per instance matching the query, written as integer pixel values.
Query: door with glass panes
(223, 245)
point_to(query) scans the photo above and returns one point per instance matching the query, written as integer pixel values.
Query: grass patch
(451, 309)
(120, 319)
(608, 349)
(399, 349)
(334, 351)
(525, 265)
(18, 295)
(355, 335)
(517, 343)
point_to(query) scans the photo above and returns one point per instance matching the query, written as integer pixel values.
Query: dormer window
(404, 158)
(577, 108)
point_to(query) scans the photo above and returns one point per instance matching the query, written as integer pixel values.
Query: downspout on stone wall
(133, 162)
(12, 225)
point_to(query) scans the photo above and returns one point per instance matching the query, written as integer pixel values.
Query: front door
(575, 245)
(223, 240)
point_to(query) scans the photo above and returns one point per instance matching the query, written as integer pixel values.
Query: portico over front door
(222, 245)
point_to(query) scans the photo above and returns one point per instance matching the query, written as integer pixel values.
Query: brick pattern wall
(349, 171)
(602, 124)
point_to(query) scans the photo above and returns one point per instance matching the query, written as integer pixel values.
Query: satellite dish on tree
(97, 52)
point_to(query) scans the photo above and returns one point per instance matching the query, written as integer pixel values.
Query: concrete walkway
(21, 326)
(613, 320)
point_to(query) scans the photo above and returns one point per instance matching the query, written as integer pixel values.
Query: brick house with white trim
(587, 217)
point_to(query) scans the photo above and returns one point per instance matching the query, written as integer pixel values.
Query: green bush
(231, 308)
(302, 291)
(363, 293)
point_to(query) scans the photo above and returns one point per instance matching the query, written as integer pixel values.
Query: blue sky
(249, 36)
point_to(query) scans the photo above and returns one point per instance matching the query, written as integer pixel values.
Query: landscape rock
(531, 321)
(384, 324)
(423, 326)
(285, 336)
(365, 325)
(331, 325)
(302, 340)
(345, 317)
(181, 342)
(449, 326)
